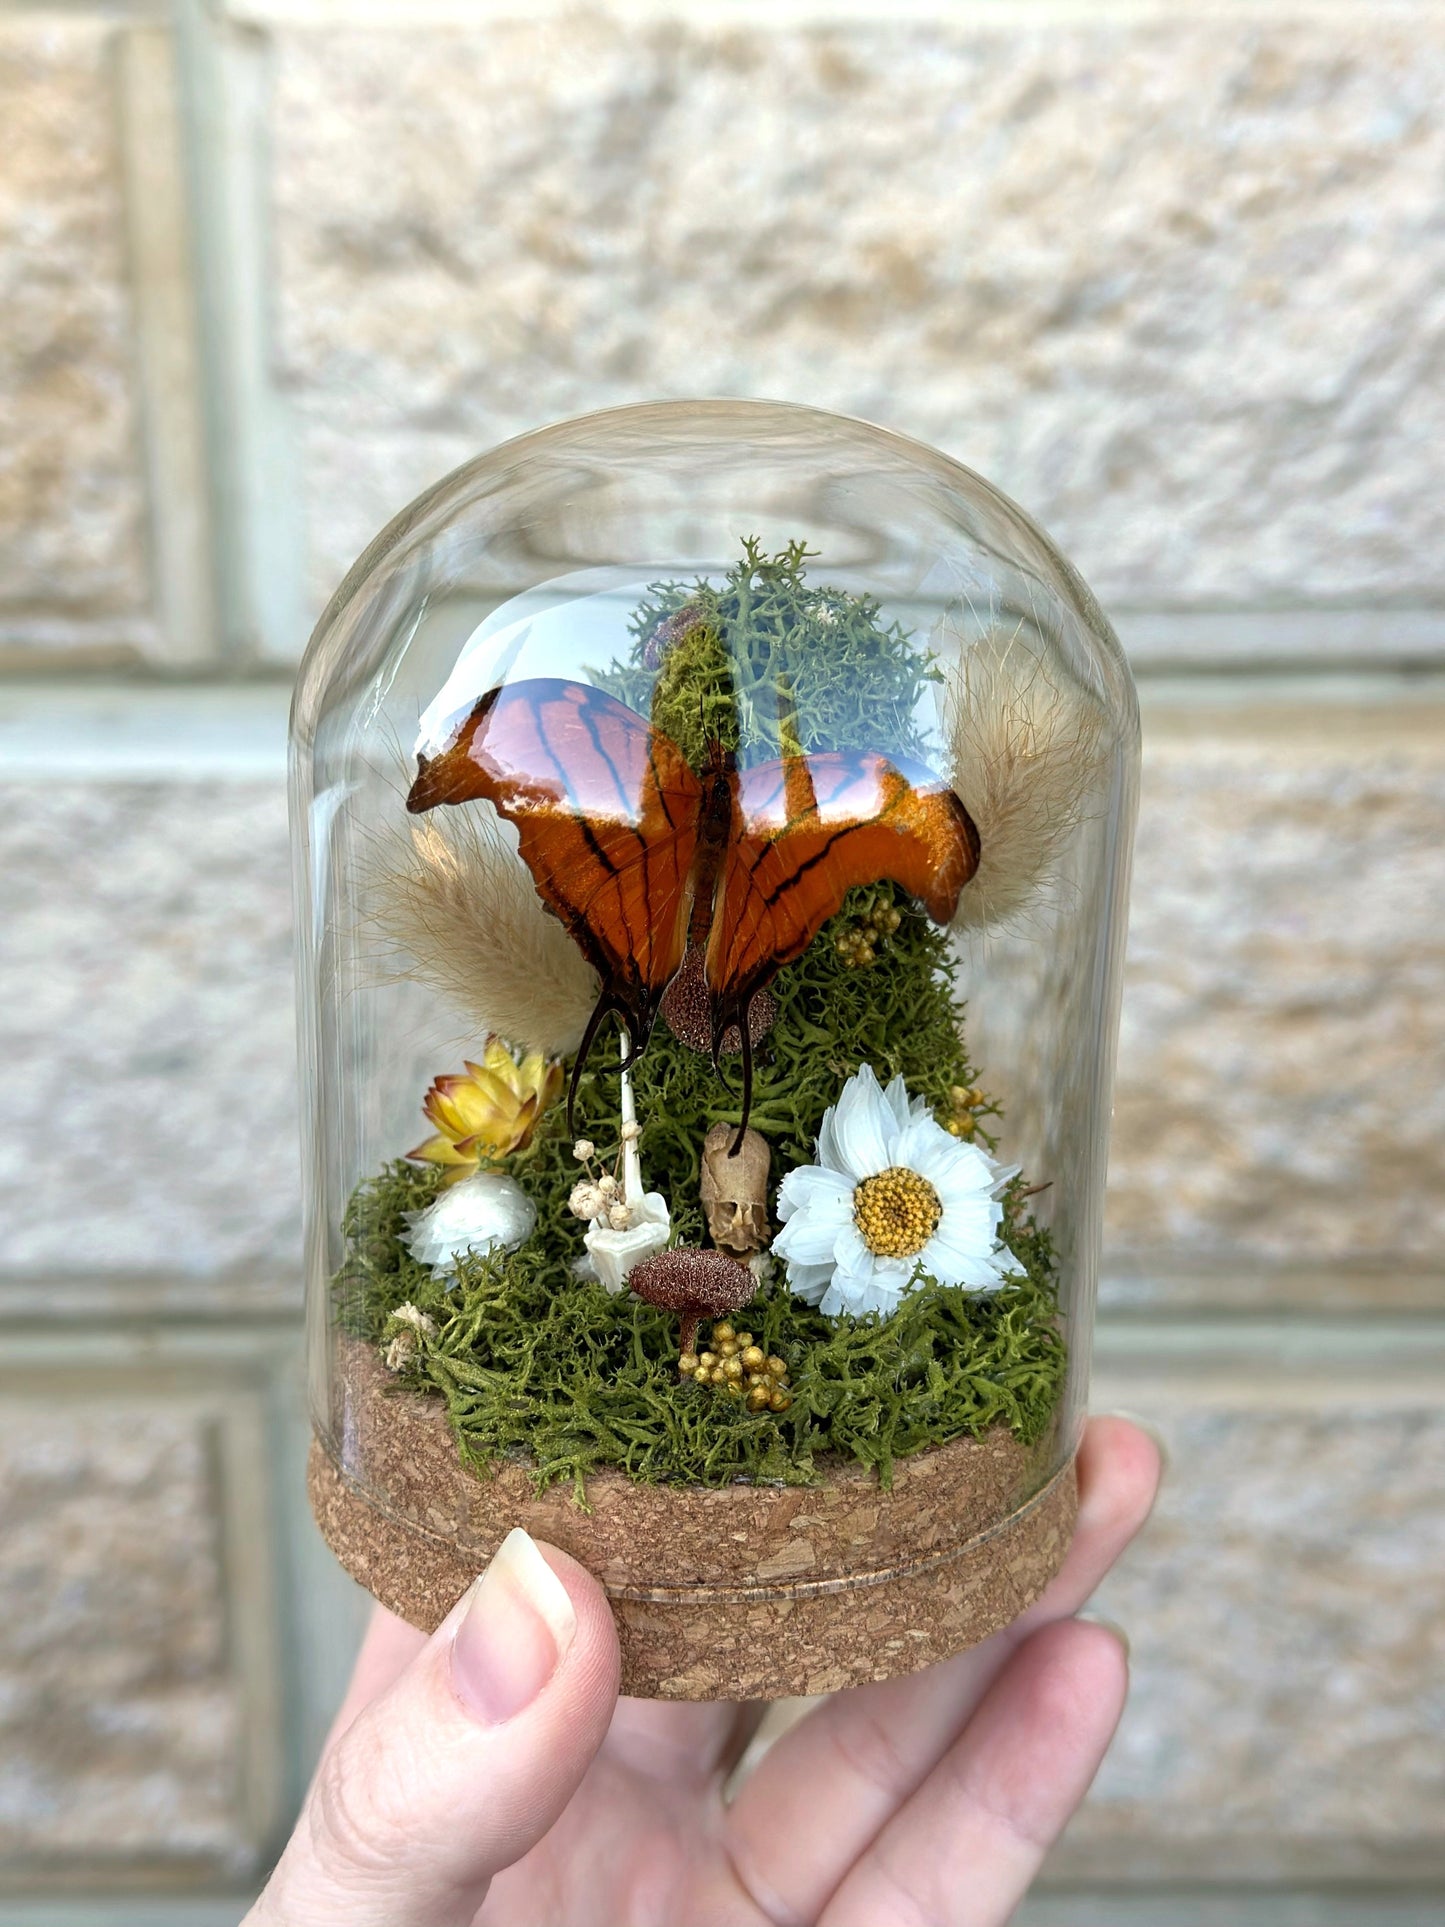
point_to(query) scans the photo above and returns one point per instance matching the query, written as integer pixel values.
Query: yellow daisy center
(896, 1212)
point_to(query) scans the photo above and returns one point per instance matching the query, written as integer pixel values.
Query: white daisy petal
(942, 1158)
(809, 1187)
(964, 1248)
(895, 1095)
(810, 1282)
(863, 1127)
(851, 1254)
(811, 1234)
(863, 1282)
(829, 1155)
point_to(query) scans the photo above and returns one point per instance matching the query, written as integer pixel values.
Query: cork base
(745, 1592)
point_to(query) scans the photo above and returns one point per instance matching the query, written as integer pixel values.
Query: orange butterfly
(641, 857)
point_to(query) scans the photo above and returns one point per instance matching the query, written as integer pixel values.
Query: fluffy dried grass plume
(457, 902)
(1026, 755)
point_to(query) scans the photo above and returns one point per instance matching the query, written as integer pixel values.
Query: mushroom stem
(687, 1325)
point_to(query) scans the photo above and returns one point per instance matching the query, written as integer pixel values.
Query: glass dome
(712, 827)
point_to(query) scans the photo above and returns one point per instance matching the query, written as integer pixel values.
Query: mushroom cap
(688, 1279)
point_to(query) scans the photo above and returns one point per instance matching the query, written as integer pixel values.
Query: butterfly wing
(806, 830)
(606, 810)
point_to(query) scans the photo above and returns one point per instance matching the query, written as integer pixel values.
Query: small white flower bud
(583, 1149)
(586, 1201)
(619, 1216)
(631, 1132)
(608, 1185)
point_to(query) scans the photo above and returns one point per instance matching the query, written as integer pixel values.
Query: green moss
(692, 700)
(533, 1363)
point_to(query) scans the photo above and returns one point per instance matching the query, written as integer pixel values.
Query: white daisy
(892, 1191)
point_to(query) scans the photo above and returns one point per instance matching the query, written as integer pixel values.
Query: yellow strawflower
(490, 1112)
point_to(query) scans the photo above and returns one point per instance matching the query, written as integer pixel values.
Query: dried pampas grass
(461, 907)
(1026, 754)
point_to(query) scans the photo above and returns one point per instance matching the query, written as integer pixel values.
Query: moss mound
(533, 1362)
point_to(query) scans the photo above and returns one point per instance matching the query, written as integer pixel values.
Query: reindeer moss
(533, 1363)
(847, 679)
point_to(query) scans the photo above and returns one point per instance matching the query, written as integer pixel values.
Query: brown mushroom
(695, 1284)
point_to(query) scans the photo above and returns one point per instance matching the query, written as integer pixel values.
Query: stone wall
(1171, 277)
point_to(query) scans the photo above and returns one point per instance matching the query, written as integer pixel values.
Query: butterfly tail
(636, 1026)
(603, 1009)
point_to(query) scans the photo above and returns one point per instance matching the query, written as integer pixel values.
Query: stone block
(148, 1121)
(1173, 283)
(1282, 1605)
(73, 568)
(137, 1691)
(1279, 1105)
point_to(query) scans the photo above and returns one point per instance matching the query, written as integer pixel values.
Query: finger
(683, 1745)
(464, 1762)
(863, 1753)
(965, 1849)
(388, 1648)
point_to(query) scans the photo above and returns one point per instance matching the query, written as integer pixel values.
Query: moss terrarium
(712, 827)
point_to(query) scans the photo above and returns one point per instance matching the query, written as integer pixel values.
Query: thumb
(464, 1762)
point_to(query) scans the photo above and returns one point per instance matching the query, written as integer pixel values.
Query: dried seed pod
(734, 1190)
(687, 1011)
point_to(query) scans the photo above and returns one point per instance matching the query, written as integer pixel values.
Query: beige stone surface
(148, 1115)
(1279, 1099)
(1174, 284)
(72, 508)
(121, 1718)
(1287, 1643)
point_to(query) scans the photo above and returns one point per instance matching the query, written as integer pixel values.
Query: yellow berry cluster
(967, 1103)
(735, 1366)
(859, 942)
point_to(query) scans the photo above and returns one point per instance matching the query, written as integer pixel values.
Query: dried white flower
(586, 1201)
(583, 1149)
(406, 1343)
(619, 1216)
(608, 1185)
(408, 1314)
(490, 1212)
(631, 1132)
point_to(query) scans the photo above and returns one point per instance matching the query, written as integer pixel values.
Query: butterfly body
(642, 857)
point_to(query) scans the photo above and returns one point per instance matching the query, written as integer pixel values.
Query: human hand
(490, 1777)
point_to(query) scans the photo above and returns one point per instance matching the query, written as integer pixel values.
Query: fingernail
(1109, 1626)
(517, 1624)
(1148, 1426)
